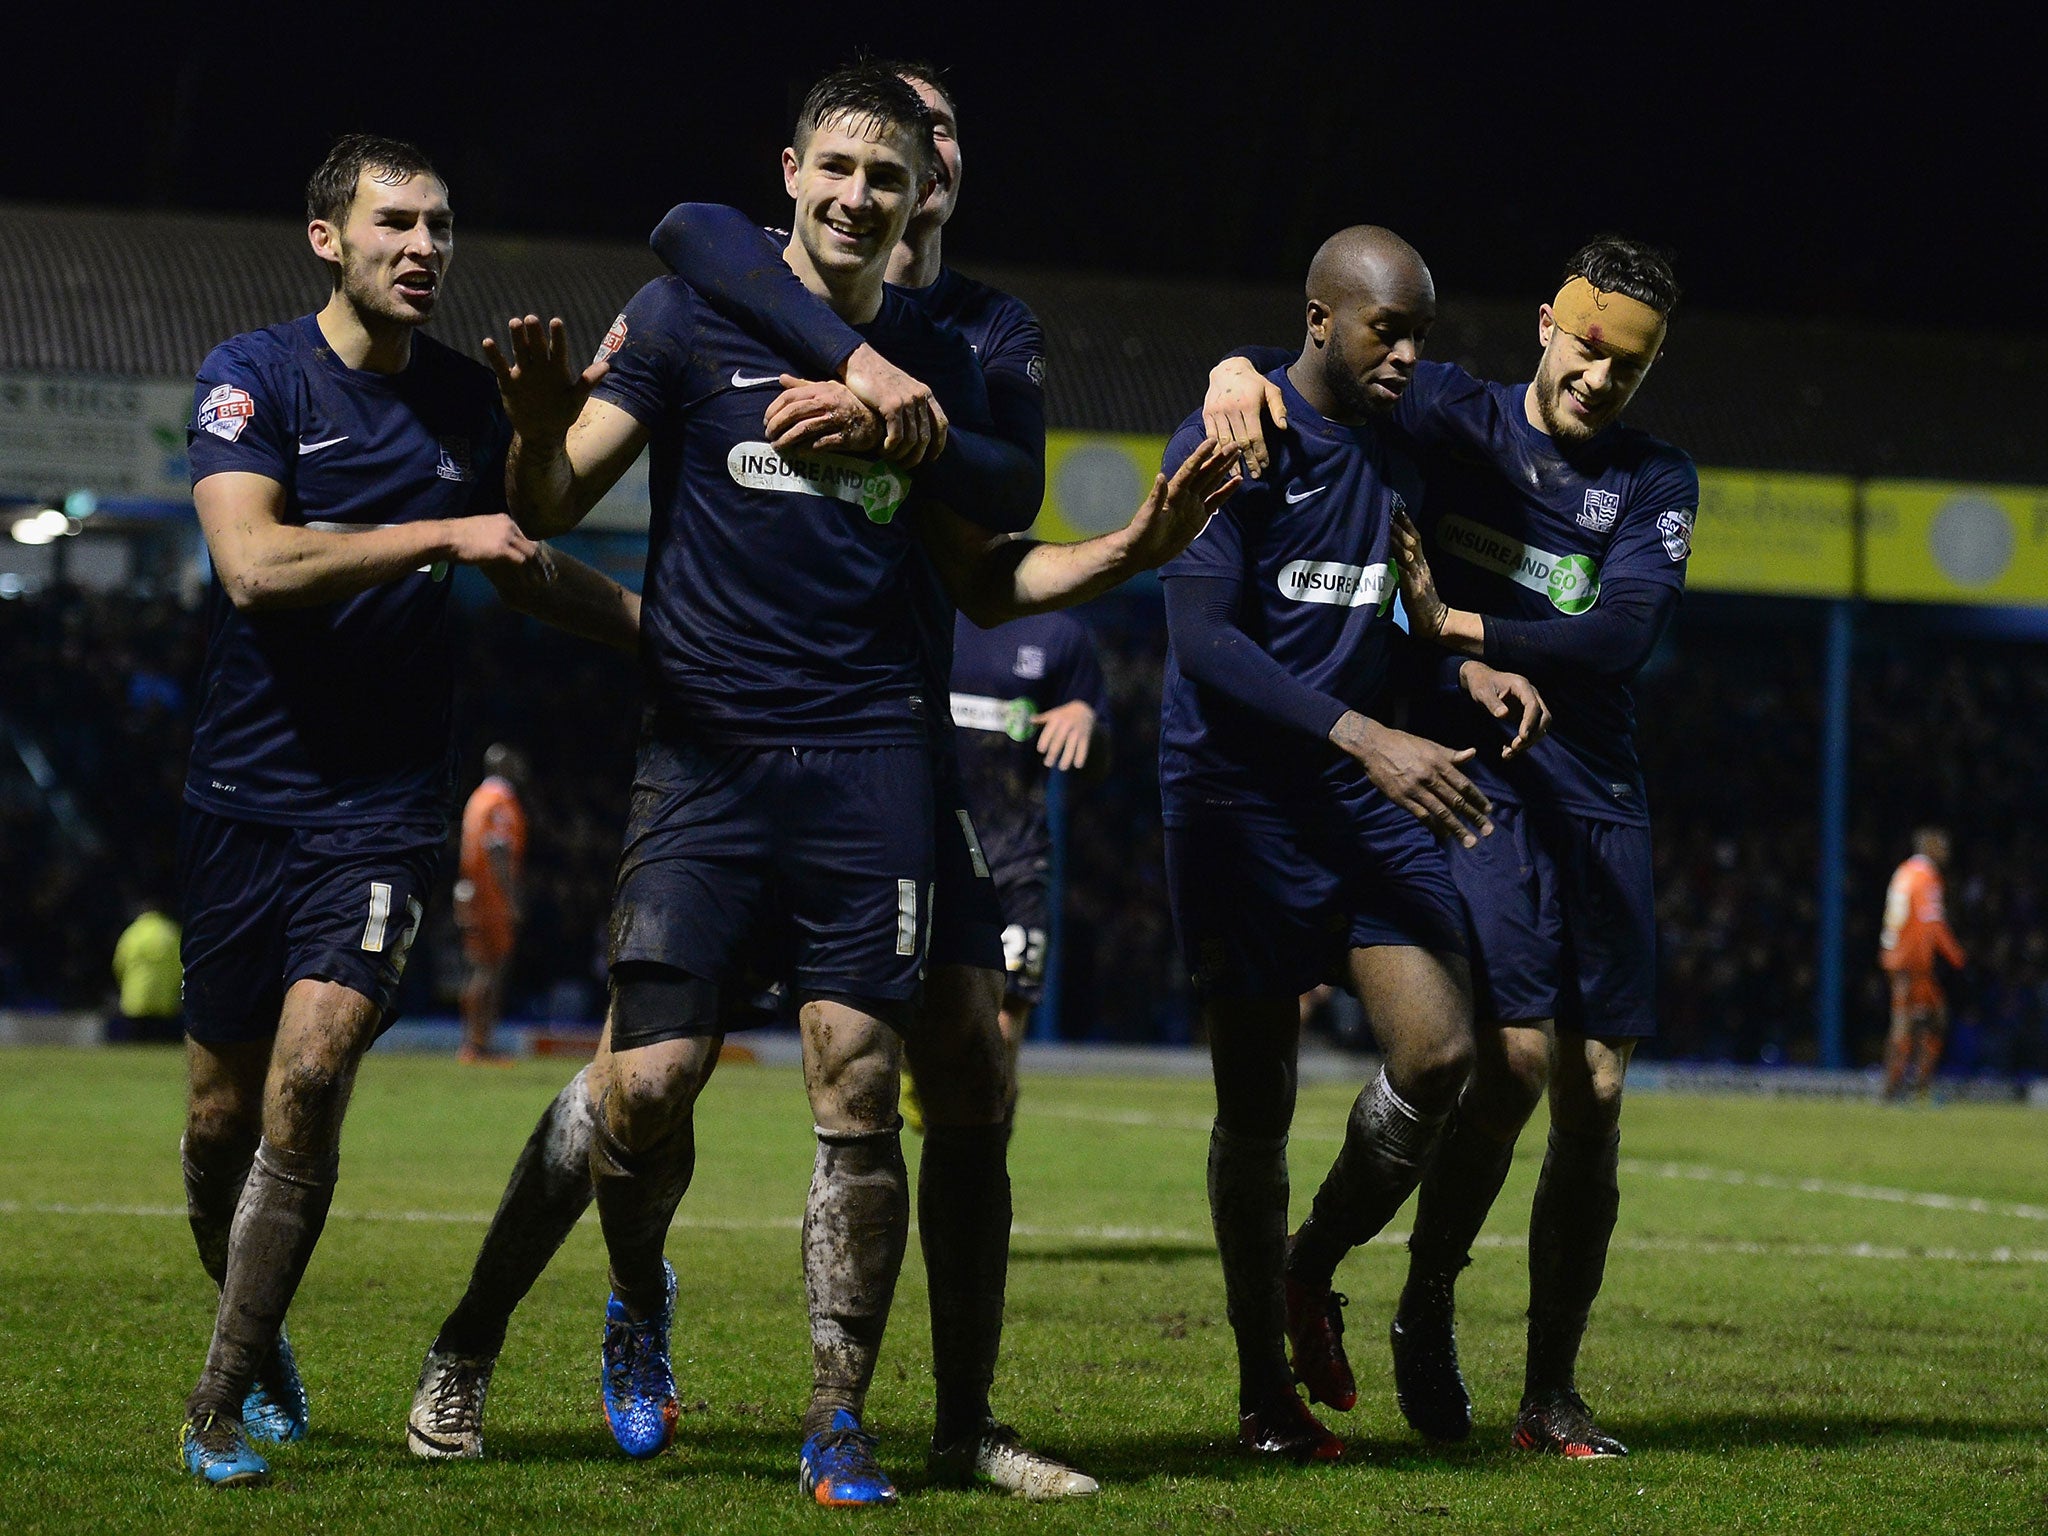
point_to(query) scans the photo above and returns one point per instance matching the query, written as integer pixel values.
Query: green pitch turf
(1819, 1317)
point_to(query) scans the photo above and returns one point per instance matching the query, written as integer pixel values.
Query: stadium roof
(147, 294)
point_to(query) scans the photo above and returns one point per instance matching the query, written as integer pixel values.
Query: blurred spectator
(98, 690)
(151, 977)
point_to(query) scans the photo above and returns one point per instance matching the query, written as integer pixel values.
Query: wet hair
(331, 190)
(867, 95)
(926, 73)
(1615, 264)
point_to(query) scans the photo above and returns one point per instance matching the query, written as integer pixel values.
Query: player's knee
(963, 1065)
(1434, 1072)
(308, 1095)
(1588, 1102)
(852, 1062)
(221, 1129)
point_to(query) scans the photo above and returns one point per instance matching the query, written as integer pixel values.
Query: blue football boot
(218, 1453)
(275, 1411)
(639, 1386)
(838, 1466)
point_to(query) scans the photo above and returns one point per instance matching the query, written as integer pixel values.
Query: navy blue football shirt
(1518, 529)
(1001, 678)
(339, 713)
(776, 610)
(1310, 546)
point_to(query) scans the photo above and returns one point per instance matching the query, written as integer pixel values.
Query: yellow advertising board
(1094, 482)
(1929, 542)
(1789, 535)
(1785, 535)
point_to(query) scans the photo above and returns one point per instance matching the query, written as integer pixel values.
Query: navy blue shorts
(967, 917)
(1269, 908)
(1026, 895)
(1564, 922)
(266, 906)
(834, 843)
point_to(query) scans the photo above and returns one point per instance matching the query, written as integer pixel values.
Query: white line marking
(1696, 1173)
(1194, 1237)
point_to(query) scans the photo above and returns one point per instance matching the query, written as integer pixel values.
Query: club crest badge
(1030, 661)
(1600, 510)
(455, 459)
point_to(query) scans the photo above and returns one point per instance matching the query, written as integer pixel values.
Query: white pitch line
(1696, 1173)
(1731, 1247)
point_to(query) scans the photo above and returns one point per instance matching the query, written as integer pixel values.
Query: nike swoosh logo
(750, 380)
(1292, 498)
(306, 448)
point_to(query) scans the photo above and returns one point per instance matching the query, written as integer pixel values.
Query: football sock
(549, 1192)
(1577, 1197)
(1386, 1144)
(856, 1223)
(1248, 1205)
(278, 1220)
(214, 1174)
(637, 1195)
(1457, 1190)
(963, 1222)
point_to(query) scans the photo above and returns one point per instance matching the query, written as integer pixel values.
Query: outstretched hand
(542, 391)
(1065, 733)
(1174, 511)
(1231, 411)
(1502, 694)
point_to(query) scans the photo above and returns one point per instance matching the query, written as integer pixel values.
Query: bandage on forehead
(1614, 321)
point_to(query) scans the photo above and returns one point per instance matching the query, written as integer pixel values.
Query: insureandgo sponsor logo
(1571, 582)
(877, 489)
(1330, 581)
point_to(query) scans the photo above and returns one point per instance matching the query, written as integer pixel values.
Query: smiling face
(855, 185)
(1581, 387)
(939, 203)
(391, 252)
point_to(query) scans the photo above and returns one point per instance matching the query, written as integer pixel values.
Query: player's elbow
(251, 588)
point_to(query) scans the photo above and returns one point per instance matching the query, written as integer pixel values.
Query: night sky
(1886, 172)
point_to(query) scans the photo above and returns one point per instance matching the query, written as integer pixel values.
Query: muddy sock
(1577, 1197)
(1458, 1189)
(1387, 1142)
(963, 1222)
(855, 1226)
(278, 1220)
(549, 1192)
(1248, 1207)
(214, 1174)
(637, 1195)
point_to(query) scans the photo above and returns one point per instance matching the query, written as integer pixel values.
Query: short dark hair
(332, 189)
(867, 94)
(1616, 264)
(928, 73)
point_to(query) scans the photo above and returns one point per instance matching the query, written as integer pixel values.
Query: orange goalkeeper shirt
(492, 821)
(1916, 927)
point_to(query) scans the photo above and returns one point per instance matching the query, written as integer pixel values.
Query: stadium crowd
(96, 703)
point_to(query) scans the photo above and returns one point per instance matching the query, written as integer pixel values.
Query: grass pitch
(1818, 1317)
